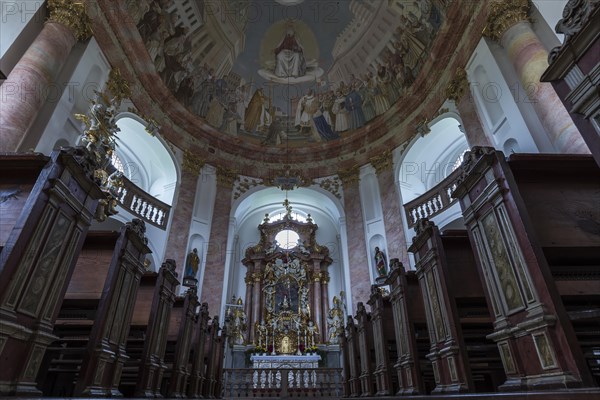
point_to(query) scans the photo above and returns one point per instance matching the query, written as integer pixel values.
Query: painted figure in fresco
(257, 115)
(191, 264)
(341, 114)
(307, 107)
(289, 56)
(356, 117)
(380, 262)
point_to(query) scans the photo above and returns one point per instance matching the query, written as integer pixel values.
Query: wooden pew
(384, 342)
(408, 363)
(366, 350)
(106, 354)
(46, 208)
(353, 357)
(151, 365)
(181, 368)
(513, 211)
(199, 359)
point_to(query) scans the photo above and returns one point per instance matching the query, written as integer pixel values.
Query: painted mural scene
(310, 71)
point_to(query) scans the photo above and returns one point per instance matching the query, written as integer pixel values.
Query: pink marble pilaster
(360, 279)
(530, 60)
(471, 123)
(324, 306)
(212, 286)
(392, 215)
(182, 218)
(27, 86)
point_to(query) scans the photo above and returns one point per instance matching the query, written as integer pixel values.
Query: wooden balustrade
(143, 205)
(282, 382)
(432, 202)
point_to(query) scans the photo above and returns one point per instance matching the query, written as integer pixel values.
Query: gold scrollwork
(350, 176)
(73, 15)
(458, 86)
(382, 162)
(504, 14)
(192, 163)
(226, 177)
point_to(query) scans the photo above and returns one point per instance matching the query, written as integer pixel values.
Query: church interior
(300, 198)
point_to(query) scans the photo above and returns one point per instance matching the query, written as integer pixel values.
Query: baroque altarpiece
(287, 296)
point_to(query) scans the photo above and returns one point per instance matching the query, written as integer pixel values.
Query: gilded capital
(349, 176)
(226, 177)
(382, 162)
(504, 14)
(325, 277)
(192, 163)
(73, 15)
(458, 86)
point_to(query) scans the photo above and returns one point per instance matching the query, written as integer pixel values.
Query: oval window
(287, 239)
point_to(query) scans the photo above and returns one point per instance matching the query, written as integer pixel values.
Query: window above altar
(287, 239)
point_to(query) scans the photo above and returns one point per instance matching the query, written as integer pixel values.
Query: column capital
(382, 162)
(226, 177)
(458, 86)
(192, 163)
(73, 15)
(504, 14)
(349, 176)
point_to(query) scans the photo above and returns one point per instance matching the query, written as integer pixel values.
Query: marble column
(256, 298)
(360, 279)
(392, 210)
(212, 285)
(460, 92)
(182, 211)
(508, 24)
(26, 88)
(324, 305)
(250, 317)
(318, 320)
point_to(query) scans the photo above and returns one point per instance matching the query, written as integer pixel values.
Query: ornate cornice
(192, 163)
(575, 16)
(226, 177)
(73, 15)
(382, 162)
(504, 14)
(350, 176)
(458, 86)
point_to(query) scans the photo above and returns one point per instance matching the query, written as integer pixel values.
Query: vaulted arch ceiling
(228, 80)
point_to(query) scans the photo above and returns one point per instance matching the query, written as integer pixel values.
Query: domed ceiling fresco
(288, 72)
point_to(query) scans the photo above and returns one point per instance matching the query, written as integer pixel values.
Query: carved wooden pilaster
(365, 344)
(152, 364)
(105, 355)
(38, 259)
(345, 363)
(213, 362)
(181, 371)
(197, 378)
(447, 352)
(353, 357)
(380, 317)
(531, 327)
(407, 367)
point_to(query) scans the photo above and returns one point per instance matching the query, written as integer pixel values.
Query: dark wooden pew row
(353, 366)
(526, 218)
(47, 206)
(366, 350)
(384, 342)
(458, 317)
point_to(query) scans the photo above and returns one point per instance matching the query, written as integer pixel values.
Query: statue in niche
(312, 333)
(261, 334)
(192, 262)
(380, 262)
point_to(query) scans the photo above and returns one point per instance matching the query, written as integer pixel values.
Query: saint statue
(289, 56)
(380, 262)
(191, 264)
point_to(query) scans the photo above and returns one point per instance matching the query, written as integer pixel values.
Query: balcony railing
(432, 202)
(282, 382)
(143, 205)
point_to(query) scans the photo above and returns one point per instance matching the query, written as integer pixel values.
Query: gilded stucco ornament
(350, 176)
(504, 14)
(192, 163)
(99, 140)
(73, 15)
(226, 177)
(458, 86)
(382, 162)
